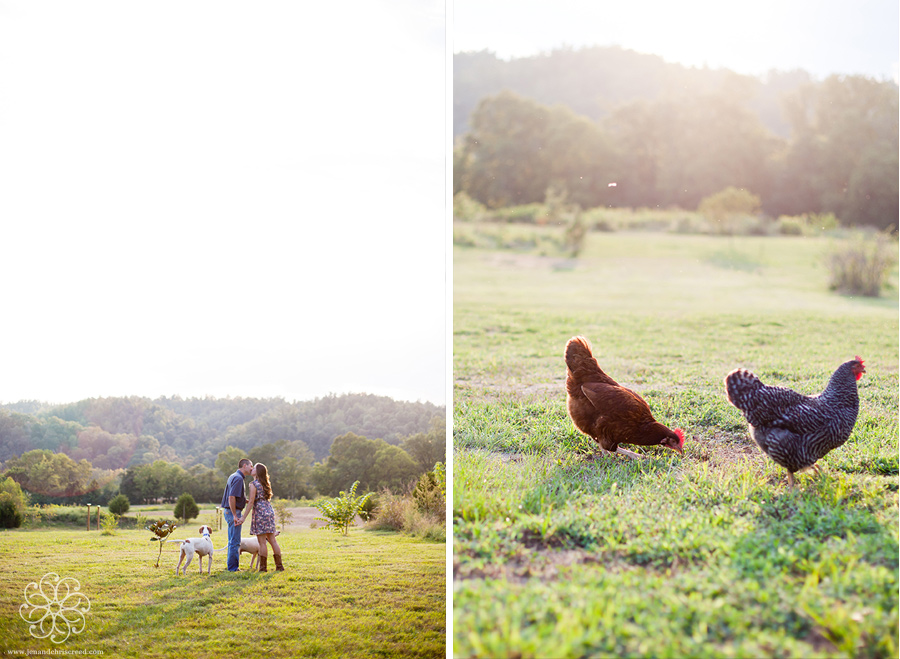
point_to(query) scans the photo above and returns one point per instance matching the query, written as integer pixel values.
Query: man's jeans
(234, 542)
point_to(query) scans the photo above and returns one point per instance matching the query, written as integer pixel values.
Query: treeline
(669, 136)
(50, 477)
(157, 449)
(117, 433)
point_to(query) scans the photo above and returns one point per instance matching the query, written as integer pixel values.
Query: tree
(842, 157)
(393, 469)
(48, 475)
(373, 462)
(186, 508)
(227, 461)
(204, 484)
(160, 480)
(119, 505)
(517, 148)
(428, 448)
(15, 434)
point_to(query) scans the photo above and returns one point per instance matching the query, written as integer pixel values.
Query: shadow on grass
(657, 513)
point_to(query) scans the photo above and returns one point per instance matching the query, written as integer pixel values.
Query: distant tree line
(49, 477)
(86, 452)
(832, 149)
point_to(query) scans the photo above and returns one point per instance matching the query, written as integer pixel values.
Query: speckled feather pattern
(792, 429)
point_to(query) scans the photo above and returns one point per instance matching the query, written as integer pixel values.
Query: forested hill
(593, 81)
(113, 433)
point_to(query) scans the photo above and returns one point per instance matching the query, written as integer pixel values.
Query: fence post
(98, 516)
(89, 517)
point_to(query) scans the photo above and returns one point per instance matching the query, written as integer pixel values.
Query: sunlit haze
(221, 198)
(820, 36)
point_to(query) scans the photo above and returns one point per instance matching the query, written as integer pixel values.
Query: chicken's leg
(633, 456)
(621, 451)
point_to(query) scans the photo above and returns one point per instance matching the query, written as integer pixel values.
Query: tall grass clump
(419, 512)
(861, 266)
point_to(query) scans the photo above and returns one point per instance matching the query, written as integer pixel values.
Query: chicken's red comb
(859, 359)
(680, 433)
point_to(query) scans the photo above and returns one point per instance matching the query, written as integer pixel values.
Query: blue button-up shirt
(235, 488)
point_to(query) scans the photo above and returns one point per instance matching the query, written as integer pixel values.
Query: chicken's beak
(678, 450)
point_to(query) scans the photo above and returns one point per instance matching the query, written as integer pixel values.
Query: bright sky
(222, 198)
(819, 36)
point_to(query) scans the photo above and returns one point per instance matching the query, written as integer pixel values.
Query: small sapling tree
(281, 511)
(340, 513)
(162, 530)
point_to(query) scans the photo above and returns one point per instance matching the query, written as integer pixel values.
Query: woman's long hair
(262, 475)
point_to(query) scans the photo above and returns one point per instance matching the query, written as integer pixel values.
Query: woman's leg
(276, 552)
(263, 551)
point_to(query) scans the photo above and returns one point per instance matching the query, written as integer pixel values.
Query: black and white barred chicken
(796, 430)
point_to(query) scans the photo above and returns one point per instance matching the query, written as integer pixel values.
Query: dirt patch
(304, 519)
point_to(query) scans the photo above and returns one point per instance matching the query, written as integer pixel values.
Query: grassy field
(705, 555)
(367, 594)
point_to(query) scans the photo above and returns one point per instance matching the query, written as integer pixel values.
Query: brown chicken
(608, 412)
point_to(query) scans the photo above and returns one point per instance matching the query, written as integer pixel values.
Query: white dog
(201, 546)
(250, 546)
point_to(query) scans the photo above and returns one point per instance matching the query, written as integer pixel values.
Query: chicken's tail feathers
(582, 365)
(578, 348)
(741, 385)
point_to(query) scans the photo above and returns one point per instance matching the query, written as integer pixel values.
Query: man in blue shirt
(233, 501)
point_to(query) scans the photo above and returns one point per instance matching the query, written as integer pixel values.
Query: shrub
(728, 209)
(391, 512)
(10, 515)
(420, 512)
(576, 233)
(119, 505)
(12, 504)
(467, 209)
(110, 523)
(429, 492)
(186, 508)
(400, 513)
(861, 266)
(792, 225)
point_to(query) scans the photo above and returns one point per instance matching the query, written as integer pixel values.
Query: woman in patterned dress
(263, 525)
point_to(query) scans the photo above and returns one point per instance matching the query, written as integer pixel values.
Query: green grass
(367, 594)
(710, 555)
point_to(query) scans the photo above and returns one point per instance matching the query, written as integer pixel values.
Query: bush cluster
(419, 512)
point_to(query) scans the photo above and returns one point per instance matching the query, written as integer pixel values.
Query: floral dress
(263, 513)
